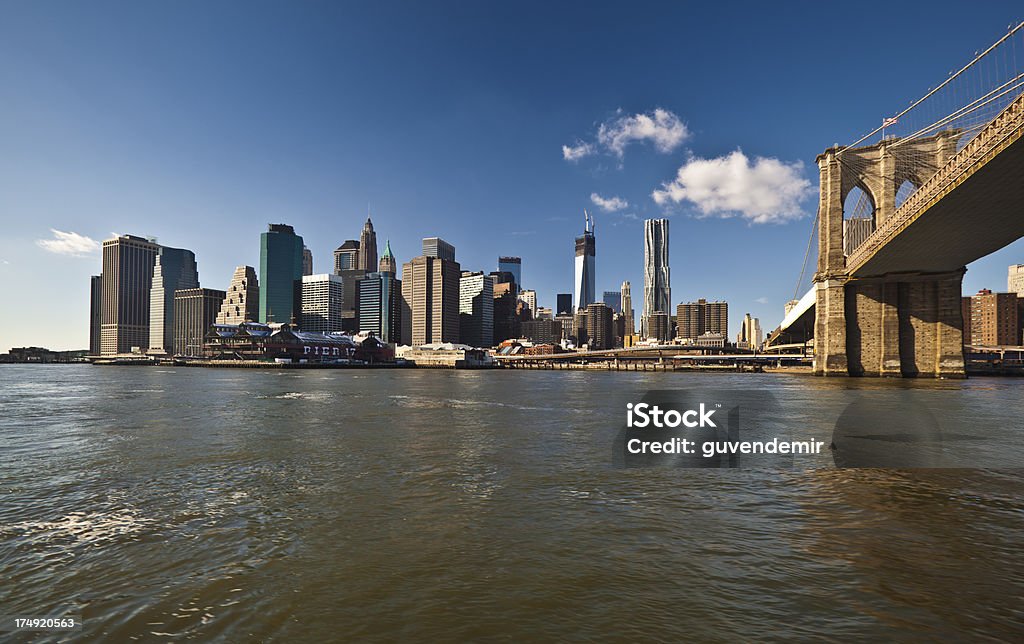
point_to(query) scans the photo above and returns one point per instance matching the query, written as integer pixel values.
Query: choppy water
(451, 505)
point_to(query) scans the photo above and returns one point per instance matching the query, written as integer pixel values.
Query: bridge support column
(932, 326)
(830, 329)
(872, 328)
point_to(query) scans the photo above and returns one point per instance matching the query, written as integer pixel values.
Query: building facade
(195, 312)
(380, 306)
(476, 309)
(694, 319)
(439, 248)
(659, 326)
(512, 265)
(613, 300)
(368, 248)
(563, 304)
(657, 291)
(1015, 279)
(994, 319)
(307, 261)
(280, 274)
(346, 256)
(322, 297)
(430, 295)
(387, 261)
(127, 279)
(627, 309)
(529, 298)
(543, 331)
(242, 299)
(586, 251)
(750, 335)
(95, 313)
(600, 333)
(173, 269)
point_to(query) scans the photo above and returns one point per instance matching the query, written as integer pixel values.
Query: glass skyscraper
(512, 265)
(280, 274)
(380, 306)
(657, 293)
(585, 252)
(175, 269)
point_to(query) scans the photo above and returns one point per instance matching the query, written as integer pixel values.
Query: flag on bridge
(890, 121)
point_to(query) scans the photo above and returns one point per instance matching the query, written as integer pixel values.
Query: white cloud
(71, 244)
(762, 300)
(661, 127)
(577, 151)
(611, 204)
(764, 191)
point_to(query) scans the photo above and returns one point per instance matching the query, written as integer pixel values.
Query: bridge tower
(896, 324)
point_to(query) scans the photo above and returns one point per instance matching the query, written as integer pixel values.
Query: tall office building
(512, 265)
(95, 313)
(346, 257)
(563, 304)
(750, 334)
(994, 319)
(627, 309)
(174, 269)
(613, 300)
(659, 326)
(242, 300)
(430, 295)
(439, 248)
(195, 311)
(368, 248)
(380, 305)
(127, 279)
(280, 274)
(529, 297)
(585, 265)
(476, 309)
(694, 319)
(307, 261)
(600, 334)
(387, 261)
(1015, 280)
(657, 292)
(321, 303)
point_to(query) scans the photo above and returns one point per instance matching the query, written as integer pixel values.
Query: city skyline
(127, 162)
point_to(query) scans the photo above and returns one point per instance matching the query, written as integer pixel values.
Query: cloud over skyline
(609, 204)
(69, 243)
(660, 127)
(762, 190)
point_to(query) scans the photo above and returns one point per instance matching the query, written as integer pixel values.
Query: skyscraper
(529, 297)
(750, 334)
(280, 274)
(95, 313)
(174, 269)
(346, 257)
(430, 295)
(599, 326)
(380, 305)
(242, 300)
(476, 309)
(694, 319)
(368, 248)
(627, 309)
(321, 303)
(307, 261)
(657, 295)
(585, 252)
(994, 319)
(195, 311)
(563, 304)
(127, 279)
(387, 261)
(613, 300)
(512, 265)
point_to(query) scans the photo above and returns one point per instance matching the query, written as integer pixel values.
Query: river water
(450, 505)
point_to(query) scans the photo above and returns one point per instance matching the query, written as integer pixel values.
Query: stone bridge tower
(906, 324)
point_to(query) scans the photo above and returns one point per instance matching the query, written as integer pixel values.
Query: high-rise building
(476, 309)
(600, 334)
(627, 309)
(750, 335)
(368, 248)
(994, 319)
(855, 232)
(321, 303)
(280, 274)
(346, 257)
(387, 261)
(1015, 280)
(563, 304)
(174, 269)
(430, 295)
(508, 308)
(529, 297)
(307, 261)
(95, 313)
(659, 326)
(584, 294)
(350, 299)
(512, 265)
(439, 248)
(242, 300)
(694, 319)
(543, 331)
(195, 311)
(380, 305)
(657, 291)
(613, 300)
(127, 279)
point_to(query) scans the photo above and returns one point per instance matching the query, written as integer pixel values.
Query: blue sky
(199, 123)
